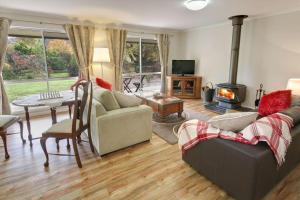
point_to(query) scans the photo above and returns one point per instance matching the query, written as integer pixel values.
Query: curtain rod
(131, 30)
(150, 33)
(50, 23)
(30, 21)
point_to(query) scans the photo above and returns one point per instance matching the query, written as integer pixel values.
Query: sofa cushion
(233, 121)
(294, 113)
(275, 102)
(126, 101)
(106, 98)
(295, 100)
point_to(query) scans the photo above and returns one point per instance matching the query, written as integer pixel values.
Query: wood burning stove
(231, 95)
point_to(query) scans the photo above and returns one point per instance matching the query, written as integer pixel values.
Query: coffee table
(165, 105)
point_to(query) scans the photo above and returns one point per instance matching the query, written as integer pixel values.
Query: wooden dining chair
(5, 122)
(72, 128)
(139, 85)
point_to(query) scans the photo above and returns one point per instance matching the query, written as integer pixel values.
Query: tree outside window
(25, 71)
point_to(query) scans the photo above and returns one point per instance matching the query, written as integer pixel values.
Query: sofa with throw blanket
(118, 121)
(246, 172)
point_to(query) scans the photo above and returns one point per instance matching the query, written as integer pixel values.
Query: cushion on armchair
(106, 98)
(126, 101)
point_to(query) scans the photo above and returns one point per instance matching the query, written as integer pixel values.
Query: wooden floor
(152, 170)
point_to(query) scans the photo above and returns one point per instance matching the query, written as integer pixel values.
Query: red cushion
(275, 102)
(104, 84)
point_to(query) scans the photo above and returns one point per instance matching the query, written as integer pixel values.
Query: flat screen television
(183, 67)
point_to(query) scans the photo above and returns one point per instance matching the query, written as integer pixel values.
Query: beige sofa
(119, 122)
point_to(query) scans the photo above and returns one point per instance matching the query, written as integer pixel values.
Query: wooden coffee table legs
(179, 114)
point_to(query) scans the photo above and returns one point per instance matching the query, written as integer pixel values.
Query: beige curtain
(82, 40)
(4, 26)
(116, 39)
(163, 42)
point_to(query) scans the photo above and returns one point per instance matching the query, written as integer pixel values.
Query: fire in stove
(226, 93)
(230, 95)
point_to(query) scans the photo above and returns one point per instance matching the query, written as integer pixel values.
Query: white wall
(270, 52)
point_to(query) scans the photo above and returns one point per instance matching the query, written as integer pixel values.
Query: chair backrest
(142, 79)
(80, 104)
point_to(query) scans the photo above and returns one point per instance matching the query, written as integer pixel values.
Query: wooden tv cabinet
(184, 86)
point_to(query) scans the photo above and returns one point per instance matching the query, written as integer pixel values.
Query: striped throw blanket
(273, 129)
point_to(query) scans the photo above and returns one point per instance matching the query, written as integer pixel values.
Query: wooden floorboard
(151, 170)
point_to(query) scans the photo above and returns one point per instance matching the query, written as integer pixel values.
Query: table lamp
(101, 55)
(294, 85)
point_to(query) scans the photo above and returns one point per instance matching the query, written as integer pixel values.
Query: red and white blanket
(274, 129)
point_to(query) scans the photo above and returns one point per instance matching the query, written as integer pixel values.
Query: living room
(115, 100)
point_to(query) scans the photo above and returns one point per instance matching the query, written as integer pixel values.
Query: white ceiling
(169, 14)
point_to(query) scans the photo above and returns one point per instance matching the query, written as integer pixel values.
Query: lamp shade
(101, 55)
(294, 85)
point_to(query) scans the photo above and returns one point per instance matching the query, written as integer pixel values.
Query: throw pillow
(233, 121)
(127, 100)
(275, 102)
(104, 84)
(106, 98)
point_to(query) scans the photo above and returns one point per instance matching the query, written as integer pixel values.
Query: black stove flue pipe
(237, 22)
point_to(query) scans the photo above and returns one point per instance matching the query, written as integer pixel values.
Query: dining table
(63, 98)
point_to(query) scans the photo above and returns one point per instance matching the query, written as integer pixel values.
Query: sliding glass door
(24, 68)
(141, 69)
(61, 64)
(37, 63)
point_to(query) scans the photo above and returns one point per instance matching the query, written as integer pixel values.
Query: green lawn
(59, 75)
(15, 90)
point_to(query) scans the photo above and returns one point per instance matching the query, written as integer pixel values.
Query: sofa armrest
(125, 112)
(122, 128)
(99, 108)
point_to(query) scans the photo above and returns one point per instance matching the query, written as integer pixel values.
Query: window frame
(140, 40)
(46, 79)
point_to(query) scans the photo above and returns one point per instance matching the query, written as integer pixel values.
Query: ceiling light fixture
(195, 4)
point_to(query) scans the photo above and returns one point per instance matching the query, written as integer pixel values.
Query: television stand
(188, 75)
(184, 86)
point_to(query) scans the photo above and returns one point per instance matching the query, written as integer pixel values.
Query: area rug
(165, 130)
